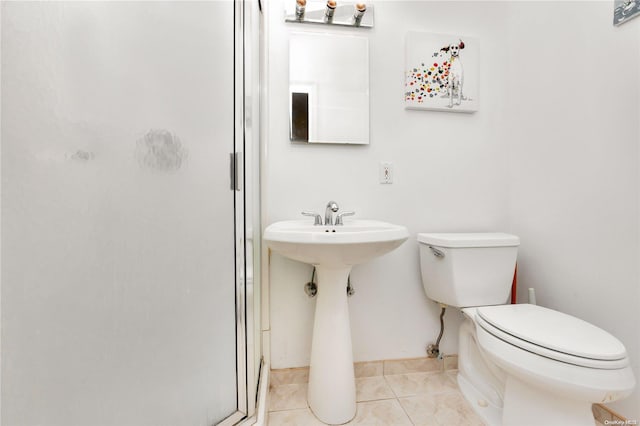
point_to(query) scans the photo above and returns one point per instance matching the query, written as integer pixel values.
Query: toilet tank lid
(468, 240)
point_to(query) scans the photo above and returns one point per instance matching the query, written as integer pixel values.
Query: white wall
(450, 175)
(574, 96)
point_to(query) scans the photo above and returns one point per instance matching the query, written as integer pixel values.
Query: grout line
(429, 373)
(288, 409)
(405, 412)
(393, 395)
(390, 387)
(453, 377)
(377, 399)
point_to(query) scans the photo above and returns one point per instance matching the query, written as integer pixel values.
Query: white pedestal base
(332, 385)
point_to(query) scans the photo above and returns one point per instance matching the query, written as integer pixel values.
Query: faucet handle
(341, 215)
(317, 217)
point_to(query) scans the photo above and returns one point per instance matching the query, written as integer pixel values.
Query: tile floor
(393, 393)
(405, 392)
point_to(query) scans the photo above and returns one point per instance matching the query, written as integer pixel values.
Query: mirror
(329, 88)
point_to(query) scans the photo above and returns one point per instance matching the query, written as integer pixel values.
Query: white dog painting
(441, 72)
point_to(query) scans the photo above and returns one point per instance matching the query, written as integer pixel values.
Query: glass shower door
(118, 258)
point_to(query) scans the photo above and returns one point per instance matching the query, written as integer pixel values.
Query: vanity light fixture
(331, 9)
(360, 9)
(300, 7)
(344, 13)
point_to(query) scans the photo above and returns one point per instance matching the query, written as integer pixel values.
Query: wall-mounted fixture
(328, 88)
(300, 8)
(331, 12)
(358, 14)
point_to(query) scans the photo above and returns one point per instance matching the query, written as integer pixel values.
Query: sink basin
(333, 250)
(355, 242)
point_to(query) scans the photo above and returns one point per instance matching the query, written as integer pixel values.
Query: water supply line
(311, 288)
(514, 286)
(433, 350)
(350, 290)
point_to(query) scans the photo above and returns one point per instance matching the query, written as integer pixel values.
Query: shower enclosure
(127, 297)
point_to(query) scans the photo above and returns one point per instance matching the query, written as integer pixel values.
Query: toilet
(518, 364)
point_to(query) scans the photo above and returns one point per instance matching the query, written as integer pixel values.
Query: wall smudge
(160, 150)
(82, 156)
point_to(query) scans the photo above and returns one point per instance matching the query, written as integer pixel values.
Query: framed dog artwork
(441, 72)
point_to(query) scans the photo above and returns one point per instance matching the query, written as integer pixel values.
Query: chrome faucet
(332, 207)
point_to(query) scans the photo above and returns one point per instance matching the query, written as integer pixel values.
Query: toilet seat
(553, 335)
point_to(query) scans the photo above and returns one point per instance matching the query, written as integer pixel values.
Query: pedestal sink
(333, 250)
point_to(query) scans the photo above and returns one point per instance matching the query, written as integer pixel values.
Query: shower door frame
(243, 307)
(244, 313)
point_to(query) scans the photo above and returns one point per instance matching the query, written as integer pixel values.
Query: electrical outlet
(386, 172)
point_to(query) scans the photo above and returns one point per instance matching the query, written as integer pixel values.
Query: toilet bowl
(519, 364)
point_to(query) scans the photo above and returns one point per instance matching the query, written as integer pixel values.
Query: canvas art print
(441, 72)
(623, 10)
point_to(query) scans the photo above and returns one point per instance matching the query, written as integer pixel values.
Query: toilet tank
(473, 269)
